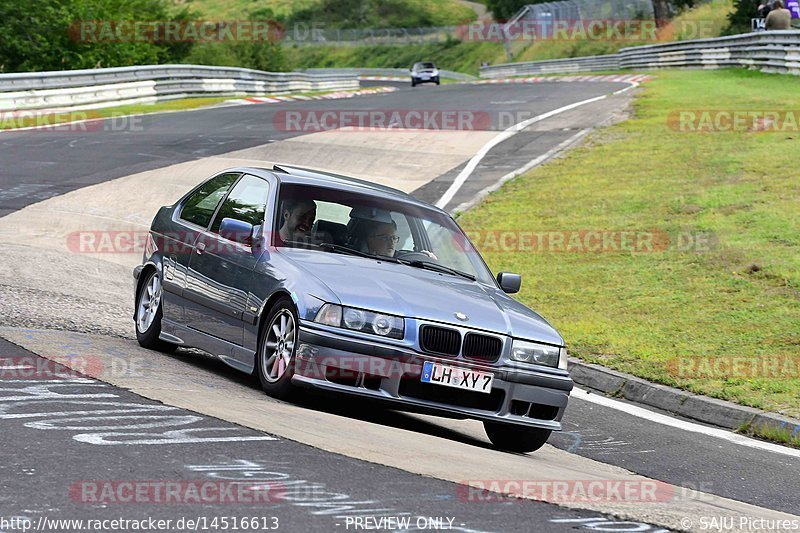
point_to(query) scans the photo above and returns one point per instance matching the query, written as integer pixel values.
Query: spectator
(764, 8)
(779, 18)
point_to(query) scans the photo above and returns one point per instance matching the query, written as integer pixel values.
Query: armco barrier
(553, 66)
(126, 85)
(400, 72)
(772, 51)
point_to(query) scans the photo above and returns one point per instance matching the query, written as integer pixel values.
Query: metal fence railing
(392, 72)
(125, 85)
(773, 51)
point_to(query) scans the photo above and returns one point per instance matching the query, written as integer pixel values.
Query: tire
(513, 438)
(277, 346)
(437, 82)
(149, 312)
(413, 83)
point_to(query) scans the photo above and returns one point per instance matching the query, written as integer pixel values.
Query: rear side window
(246, 202)
(200, 206)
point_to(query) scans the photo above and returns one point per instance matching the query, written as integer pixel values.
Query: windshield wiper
(439, 268)
(352, 251)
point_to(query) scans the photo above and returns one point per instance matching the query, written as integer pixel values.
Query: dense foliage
(40, 35)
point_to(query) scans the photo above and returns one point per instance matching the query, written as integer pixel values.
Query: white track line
(684, 425)
(521, 170)
(507, 134)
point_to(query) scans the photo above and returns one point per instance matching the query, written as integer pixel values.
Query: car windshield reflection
(358, 224)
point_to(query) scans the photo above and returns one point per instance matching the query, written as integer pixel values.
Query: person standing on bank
(779, 18)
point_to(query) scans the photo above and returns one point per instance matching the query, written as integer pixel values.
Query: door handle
(200, 248)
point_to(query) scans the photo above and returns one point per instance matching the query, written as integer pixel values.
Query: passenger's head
(778, 4)
(381, 238)
(297, 218)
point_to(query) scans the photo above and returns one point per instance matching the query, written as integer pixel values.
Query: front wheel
(149, 313)
(513, 438)
(275, 361)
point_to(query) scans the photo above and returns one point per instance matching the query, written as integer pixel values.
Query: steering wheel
(414, 256)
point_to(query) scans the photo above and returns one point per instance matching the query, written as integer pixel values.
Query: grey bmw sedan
(313, 280)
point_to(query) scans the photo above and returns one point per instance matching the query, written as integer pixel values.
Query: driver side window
(246, 202)
(200, 206)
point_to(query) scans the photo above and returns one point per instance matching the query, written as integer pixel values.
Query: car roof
(306, 176)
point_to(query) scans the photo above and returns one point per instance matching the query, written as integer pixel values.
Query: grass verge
(453, 55)
(780, 435)
(713, 305)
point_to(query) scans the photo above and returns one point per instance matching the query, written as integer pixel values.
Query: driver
(297, 219)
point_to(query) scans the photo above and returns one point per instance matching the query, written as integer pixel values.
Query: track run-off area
(111, 438)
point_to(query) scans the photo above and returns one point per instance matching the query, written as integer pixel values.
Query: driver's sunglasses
(386, 238)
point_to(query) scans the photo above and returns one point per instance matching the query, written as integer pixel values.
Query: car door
(214, 303)
(194, 214)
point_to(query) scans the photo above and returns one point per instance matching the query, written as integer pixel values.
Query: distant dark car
(309, 279)
(424, 72)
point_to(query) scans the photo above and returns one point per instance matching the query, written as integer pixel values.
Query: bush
(41, 35)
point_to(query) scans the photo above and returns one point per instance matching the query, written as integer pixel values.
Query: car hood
(423, 294)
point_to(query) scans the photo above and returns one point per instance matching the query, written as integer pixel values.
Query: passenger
(297, 219)
(380, 238)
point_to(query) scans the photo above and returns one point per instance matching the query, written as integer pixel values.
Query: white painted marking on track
(521, 170)
(507, 134)
(684, 425)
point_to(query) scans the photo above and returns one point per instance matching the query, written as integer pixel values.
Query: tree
(40, 35)
(739, 18)
(503, 10)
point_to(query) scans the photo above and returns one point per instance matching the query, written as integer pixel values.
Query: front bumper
(431, 79)
(391, 374)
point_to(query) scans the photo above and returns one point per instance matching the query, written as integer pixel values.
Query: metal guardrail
(400, 72)
(772, 51)
(552, 66)
(126, 85)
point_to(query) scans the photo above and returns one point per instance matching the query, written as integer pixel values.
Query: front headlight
(539, 354)
(361, 320)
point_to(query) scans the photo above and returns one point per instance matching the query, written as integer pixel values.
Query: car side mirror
(236, 231)
(510, 283)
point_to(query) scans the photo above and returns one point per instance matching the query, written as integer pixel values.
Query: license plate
(426, 76)
(459, 378)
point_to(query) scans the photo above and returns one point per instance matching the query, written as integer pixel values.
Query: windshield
(335, 221)
(420, 66)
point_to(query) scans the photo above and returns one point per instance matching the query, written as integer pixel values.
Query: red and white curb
(385, 78)
(290, 98)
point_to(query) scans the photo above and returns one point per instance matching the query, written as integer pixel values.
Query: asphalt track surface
(45, 464)
(38, 164)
